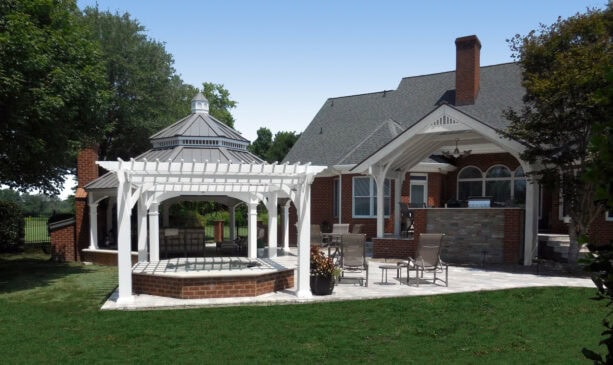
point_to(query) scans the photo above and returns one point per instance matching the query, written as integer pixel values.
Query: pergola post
(272, 224)
(124, 257)
(252, 223)
(154, 232)
(397, 197)
(286, 226)
(93, 223)
(303, 207)
(142, 231)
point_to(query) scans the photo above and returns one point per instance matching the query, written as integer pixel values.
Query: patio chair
(357, 228)
(316, 237)
(428, 259)
(353, 256)
(341, 228)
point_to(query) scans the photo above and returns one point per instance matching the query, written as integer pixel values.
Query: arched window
(498, 185)
(519, 186)
(470, 182)
(505, 188)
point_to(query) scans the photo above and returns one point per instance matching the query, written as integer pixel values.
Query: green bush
(12, 228)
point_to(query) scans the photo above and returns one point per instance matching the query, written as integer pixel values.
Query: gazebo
(199, 156)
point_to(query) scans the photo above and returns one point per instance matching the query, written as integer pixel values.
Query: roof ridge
(381, 125)
(452, 71)
(363, 94)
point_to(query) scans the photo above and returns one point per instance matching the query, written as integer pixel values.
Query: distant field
(36, 230)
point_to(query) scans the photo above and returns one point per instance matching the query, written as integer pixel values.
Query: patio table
(384, 269)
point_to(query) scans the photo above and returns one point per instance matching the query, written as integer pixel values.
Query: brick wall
(87, 171)
(393, 248)
(210, 287)
(63, 242)
(513, 235)
(104, 258)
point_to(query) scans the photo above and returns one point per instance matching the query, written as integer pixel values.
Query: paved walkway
(461, 279)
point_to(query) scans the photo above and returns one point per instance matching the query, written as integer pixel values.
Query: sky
(280, 60)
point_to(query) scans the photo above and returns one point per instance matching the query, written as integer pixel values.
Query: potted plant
(323, 272)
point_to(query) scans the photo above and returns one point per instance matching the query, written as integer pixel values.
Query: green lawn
(49, 314)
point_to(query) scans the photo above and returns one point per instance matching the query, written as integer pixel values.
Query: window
(498, 185)
(505, 188)
(365, 197)
(418, 193)
(470, 183)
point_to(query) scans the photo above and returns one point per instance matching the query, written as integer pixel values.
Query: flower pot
(321, 285)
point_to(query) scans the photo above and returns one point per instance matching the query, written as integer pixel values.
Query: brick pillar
(513, 235)
(87, 171)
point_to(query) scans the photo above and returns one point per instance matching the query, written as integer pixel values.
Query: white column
(252, 222)
(340, 198)
(124, 257)
(397, 197)
(531, 222)
(272, 224)
(142, 231)
(304, 240)
(154, 232)
(232, 222)
(286, 226)
(378, 174)
(93, 224)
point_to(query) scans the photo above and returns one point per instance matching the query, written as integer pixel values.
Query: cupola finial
(200, 104)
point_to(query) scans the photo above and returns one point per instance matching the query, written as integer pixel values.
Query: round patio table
(384, 269)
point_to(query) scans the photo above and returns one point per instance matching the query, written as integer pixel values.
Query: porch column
(142, 231)
(531, 221)
(232, 219)
(340, 198)
(154, 232)
(124, 257)
(286, 226)
(303, 208)
(272, 224)
(378, 174)
(397, 197)
(252, 223)
(93, 223)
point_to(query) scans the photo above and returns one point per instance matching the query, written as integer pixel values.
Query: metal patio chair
(428, 259)
(353, 256)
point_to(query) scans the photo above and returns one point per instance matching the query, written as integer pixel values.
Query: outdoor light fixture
(456, 152)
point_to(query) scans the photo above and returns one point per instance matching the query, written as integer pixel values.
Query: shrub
(12, 226)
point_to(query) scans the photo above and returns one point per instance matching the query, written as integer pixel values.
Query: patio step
(555, 247)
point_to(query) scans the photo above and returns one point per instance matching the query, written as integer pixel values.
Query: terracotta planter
(322, 285)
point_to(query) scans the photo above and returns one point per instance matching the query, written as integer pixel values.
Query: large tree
(273, 149)
(564, 72)
(146, 93)
(51, 92)
(262, 143)
(219, 102)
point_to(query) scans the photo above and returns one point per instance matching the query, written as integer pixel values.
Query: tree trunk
(573, 248)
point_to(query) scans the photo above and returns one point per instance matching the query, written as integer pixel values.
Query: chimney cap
(468, 40)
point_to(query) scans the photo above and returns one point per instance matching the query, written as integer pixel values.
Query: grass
(49, 314)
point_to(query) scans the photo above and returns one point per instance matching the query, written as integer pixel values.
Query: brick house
(429, 145)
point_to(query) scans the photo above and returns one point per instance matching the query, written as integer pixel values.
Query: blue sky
(281, 60)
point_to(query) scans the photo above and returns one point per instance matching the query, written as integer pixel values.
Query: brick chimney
(468, 50)
(87, 171)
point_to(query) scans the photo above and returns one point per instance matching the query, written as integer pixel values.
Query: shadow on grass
(23, 271)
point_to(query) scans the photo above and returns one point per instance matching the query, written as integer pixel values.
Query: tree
(51, 92)
(564, 67)
(262, 143)
(146, 93)
(283, 142)
(219, 102)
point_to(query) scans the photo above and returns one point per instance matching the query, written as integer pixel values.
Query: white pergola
(146, 184)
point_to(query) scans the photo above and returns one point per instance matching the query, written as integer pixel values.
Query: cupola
(200, 104)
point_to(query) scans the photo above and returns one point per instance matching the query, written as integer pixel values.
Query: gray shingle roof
(346, 122)
(199, 125)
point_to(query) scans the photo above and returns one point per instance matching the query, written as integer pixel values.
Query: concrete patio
(461, 279)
